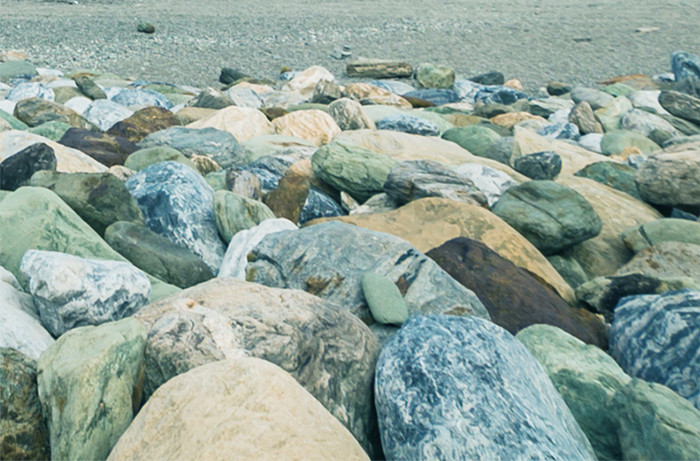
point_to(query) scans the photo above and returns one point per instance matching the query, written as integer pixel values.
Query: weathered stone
(313, 125)
(36, 111)
(595, 98)
(144, 122)
(583, 117)
(176, 203)
(143, 158)
(586, 377)
(616, 175)
(510, 119)
(493, 399)
(305, 81)
(348, 115)
(383, 299)
(378, 68)
(104, 114)
(89, 88)
(288, 198)
(560, 131)
(666, 260)
(243, 97)
(89, 382)
(235, 213)
(540, 165)
(141, 97)
(661, 230)
(681, 105)
(99, 198)
(17, 169)
(26, 90)
(371, 94)
(242, 122)
(184, 418)
(105, 148)
(616, 141)
(670, 179)
(476, 139)
(23, 430)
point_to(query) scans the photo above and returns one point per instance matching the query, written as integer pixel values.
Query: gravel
(535, 41)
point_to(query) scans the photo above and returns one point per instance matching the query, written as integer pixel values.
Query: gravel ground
(576, 41)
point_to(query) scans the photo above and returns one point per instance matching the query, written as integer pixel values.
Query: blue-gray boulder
(437, 96)
(686, 71)
(463, 388)
(140, 97)
(657, 338)
(539, 165)
(499, 95)
(177, 203)
(408, 124)
(560, 131)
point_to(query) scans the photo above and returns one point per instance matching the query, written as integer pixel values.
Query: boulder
(491, 182)
(670, 179)
(23, 430)
(16, 170)
(26, 90)
(586, 377)
(662, 230)
(287, 200)
(378, 68)
(514, 297)
(426, 97)
(20, 327)
(235, 213)
(686, 72)
(148, 156)
(612, 174)
(544, 165)
(177, 203)
(88, 381)
(616, 141)
(104, 114)
(655, 337)
(184, 419)
(51, 130)
(305, 82)
(242, 122)
(106, 149)
(666, 260)
(408, 124)
(312, 125)
(563, 131)
(476, 139)
(583, 117)
(308, 259)
(348, 115)
(479, 394)
(144, 122)
(13, 69)
(681, 105)
(36, 111)
(141, 97)
(650, 125)
(99, 198)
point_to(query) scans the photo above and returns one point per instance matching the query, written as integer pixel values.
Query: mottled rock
(243, 97)
(235, 213)
(666, 260)
(287, 200)
(560, 131)
(89, 88)
(104, 114)
(144, 122)
(595, 98)
(610, 114)
(36, 111)
(662, 230)
(499, 95)
(183, 420)
(583, 117)
(383, 299)
(176, 202)
(378, 68)
(616, 175)
(17, 169)
(493, 399)
(540, 165)
(305, 81)
(143, 158)
(105, 148)
(141, 97)
(313, 125)
(348, 115)
(650, 125)
(670, 179)
(616, 141)
(211, 98)
(242, 122)
(26, 90)
(23, 430)
(476, 139)
(88, 382)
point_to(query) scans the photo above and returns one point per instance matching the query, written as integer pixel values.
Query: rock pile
(415, 265)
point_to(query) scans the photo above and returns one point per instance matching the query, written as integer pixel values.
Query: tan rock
(4, 125)
(375, 95)
(606, 253)
(242, 122)
(305, 82)
(258, 88)
(430, 222)
(13, 55)
(68, 160)
(240, 408)
(348, 115)
(510, 119)
(312, 125)
(515, 84)
(188, 115)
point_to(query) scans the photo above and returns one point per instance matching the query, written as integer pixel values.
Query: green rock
(23, 430)
(4, 193)
(89, 88)
(586, 377)
(308, 106)
(14, 122)
(144, 158)
(568, 268)
(616, 175)
(384, 299)
(35, 111)
(99, 198)
(234, 213)
(34, 218)
(13, 69)
(614, 142)
(662, 230)
(352, 169)
(217, 180)
(146, 28)
(684, 126)
(610, 114)
(550, 215)
(475, 138)
(432, 76)
(66, 93)
(619, 89)
(156, 255)
(51, 130)
(89, 381)
(656, 423)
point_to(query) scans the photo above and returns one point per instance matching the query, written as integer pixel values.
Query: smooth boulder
(234, 213)
(670, 179)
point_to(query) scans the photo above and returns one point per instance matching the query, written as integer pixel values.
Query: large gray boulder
(234, 213)
(670, 179)
(463, 388)
(328, 260)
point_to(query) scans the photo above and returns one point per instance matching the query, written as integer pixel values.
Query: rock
(229, 75)
(23, 431)
(106, 149)
(211, 99)
(144, 122)
(313, 125)
(583, 117)
(491, 182)
(143, 158)
(650, 125)
(20, 328)
(177, 203)
(89, 88)
(612, 174)
(145, 28)
(378, 68)
(666, 260)
(654, 337)
(218, 145)
(141, 97)
(235, 213)
(288, 198)
(305, 82)
(560, 131)
(510, 119)
(468, 364)
(236, 257)
(476, 139)
(242, 122)
(104, 114)
(433, 96)
(71, 291)
(185, 420)
(540, 165)
(489, 78)
(370, 94)
(686, 72)
(351, 169)
(661, 230)
(558, 88)
(87, 382)
(609, 115)
(26, 90)
(36, 111)
(655, 423)
(408, 124)
(244, 183)
(681, 105)
(51, 130)
(395, 86)
(670, 179)
(17, 169)
(383, 299)
(595, 98)
(426, 288)
(499, 95)
(615, 142)
(408, 181)
(569, 218)
(348, 115)
(326, 92)
(99, 198)
(14, 122)
(15, 69)
(514, 297)
(243, 97)
(586, 377)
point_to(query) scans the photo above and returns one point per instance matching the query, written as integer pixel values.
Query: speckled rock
(655, 337)
(432, 76)
(144, 122)
(408, 124)
(670, 179)
(104, 114)
(308, 260)
(36, 111)
(105, 148)
(88, 381)
(235, 213)
(288, 198)
(17, 169)
(539, 165)
(490, 181)
(479, 393)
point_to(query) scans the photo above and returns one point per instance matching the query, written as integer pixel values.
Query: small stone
(378, 68)
(89, 88)
(489, 78)
(432, 76)
(558, 88)
(383, 299)
(146, 28)
(229, 75)
(540, 165)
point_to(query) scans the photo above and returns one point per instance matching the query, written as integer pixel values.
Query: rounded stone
(384, 299)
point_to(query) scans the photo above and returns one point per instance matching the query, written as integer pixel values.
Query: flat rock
(612, 174)
(308, 259)
(144, 122)
(431, 96)
(89, 88)
(495, 401)
(661, 230)
(378, 68)
(408, 124)
(36, 111)
(52, 130)
(14, 69)
(312, 125)
(650, 125)
(16, 170)
(87, 382)
(235, 213)
(681, 105)
(476, 139)
(177, 203)
(105, 148)
(242, 122)
(670, 178)
(514, 297)
(183, 420)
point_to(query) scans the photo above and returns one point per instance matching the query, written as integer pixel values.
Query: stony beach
(369, 259)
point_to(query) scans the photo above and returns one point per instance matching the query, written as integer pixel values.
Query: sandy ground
(576, 41)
